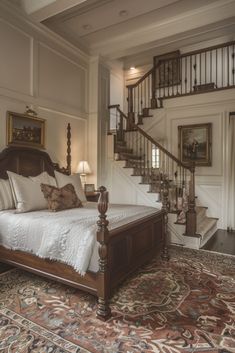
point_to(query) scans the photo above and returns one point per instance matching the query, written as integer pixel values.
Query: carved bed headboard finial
(69, 148)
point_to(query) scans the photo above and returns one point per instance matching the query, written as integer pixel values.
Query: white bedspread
(67, 236)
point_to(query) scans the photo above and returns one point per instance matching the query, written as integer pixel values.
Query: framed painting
(89, 188)
(25, 130)
(195, 144)
(167, 71)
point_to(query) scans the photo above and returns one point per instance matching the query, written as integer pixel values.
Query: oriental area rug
(184, 305)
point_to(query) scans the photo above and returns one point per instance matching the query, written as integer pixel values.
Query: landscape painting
(25, 130)
(195, 144)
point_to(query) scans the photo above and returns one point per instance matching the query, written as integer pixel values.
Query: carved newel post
(165, 194)
(191, 215)
(103, 311)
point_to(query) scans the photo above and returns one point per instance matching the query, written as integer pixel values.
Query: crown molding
(18, 18)
(162, 30)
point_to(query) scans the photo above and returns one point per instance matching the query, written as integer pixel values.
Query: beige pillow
(27, 192)
(6, 197)
(75, 180)
(60, 198)
(45, 178)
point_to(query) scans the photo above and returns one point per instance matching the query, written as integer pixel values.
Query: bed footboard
(125, 249)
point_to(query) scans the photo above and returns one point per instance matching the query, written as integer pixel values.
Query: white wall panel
(210, 196)
(27, 64)
(61, 80)
(15, 59)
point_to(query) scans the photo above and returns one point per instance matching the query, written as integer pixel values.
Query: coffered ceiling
(132, 28)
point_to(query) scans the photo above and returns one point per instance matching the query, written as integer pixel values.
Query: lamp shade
(83, 168)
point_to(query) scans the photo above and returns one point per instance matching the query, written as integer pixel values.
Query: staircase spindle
(189, 73)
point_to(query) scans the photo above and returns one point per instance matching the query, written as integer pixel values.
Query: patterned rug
(185, 305)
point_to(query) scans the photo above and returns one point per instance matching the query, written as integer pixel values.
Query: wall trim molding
(13, 15)
(38, 102)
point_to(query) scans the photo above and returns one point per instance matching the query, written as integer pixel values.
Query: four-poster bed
(121, 250)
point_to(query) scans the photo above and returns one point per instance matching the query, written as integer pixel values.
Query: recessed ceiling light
(132, 68)
(123, 13)
(87, 27)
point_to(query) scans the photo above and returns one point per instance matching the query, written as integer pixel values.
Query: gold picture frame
(25, 130)
(89, 188)
(195, 144)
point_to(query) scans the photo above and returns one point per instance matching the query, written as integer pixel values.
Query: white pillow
(27, 191)
(44, 178)
(75, 180)
(6, 197)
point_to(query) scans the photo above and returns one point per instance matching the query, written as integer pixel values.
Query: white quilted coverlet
(67, 236)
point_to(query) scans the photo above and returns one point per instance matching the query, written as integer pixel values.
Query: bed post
(103, 290)
(69, 149)
(165, 194)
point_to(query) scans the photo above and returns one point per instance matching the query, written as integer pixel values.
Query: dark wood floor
(222, 242)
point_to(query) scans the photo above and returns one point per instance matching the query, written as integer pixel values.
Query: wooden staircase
(166, 176)
(172, 181)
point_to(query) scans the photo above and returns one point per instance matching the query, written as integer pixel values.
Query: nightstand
(93, 197)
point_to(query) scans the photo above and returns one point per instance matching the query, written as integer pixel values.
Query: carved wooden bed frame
(121, 251)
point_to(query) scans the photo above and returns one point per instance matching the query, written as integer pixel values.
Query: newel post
(165, 195)
(153, 99)
(131, 114)
(103, 290)
(191, 215)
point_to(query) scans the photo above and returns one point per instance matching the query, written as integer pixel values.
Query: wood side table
(93, 197)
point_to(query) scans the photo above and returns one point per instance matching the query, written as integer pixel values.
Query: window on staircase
(155, 157)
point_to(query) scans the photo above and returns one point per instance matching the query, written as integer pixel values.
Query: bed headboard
(30, 161)
(25, 161)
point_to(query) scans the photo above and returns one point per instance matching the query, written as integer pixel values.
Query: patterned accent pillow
(59, 199)
(75, 180)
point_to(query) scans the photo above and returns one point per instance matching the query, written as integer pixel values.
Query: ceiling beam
(54, 8)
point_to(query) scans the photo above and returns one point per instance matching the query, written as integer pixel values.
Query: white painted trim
(211, 100)
(63, 56)
(29, 100)
(161, 29)
(13, 14)
(63, 114)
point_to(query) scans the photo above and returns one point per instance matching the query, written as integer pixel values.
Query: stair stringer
(129, 191)
(126, 188)
(176, 234)
(155, 125)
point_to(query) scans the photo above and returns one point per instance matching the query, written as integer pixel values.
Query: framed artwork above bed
(25, 130)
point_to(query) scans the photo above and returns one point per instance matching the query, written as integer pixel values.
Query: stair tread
(205, 226)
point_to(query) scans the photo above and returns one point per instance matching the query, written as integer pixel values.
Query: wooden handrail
(141, 79)
(204, 50)
(180, 75)
(198, 51)
(191, 216)
(148, 137)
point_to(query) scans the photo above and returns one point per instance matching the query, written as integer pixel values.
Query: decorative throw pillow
(60, 198)
(75, 180)
(27, 191)
(6, 197)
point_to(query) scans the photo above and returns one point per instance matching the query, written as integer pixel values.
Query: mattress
(68, 236)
